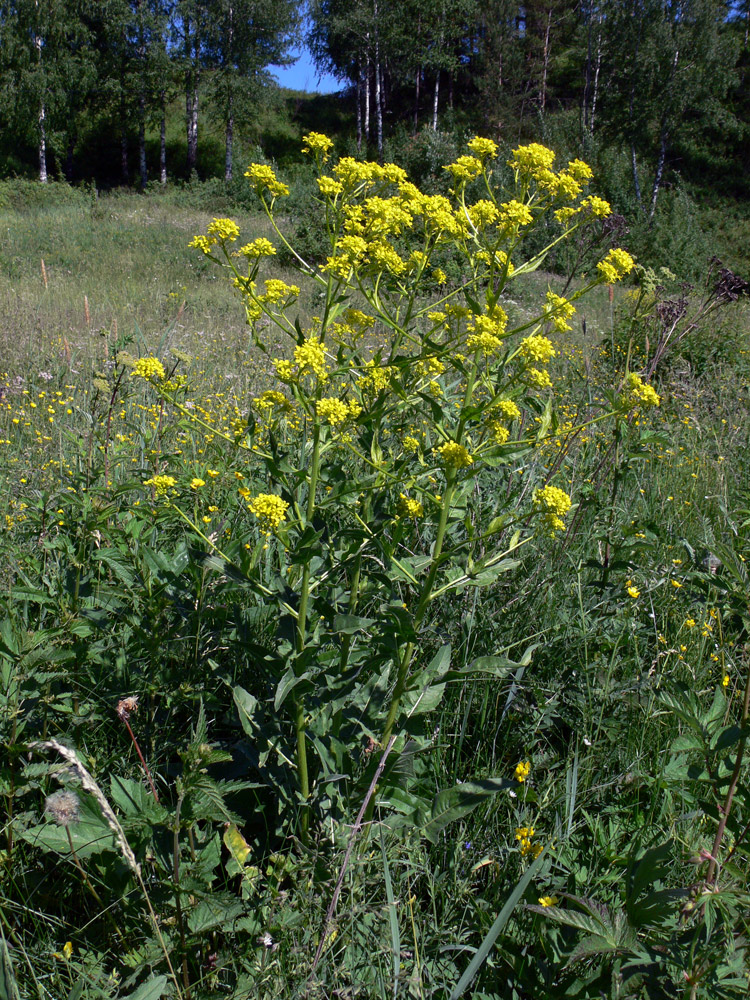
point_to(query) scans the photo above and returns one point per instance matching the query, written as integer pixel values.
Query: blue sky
(302, 75)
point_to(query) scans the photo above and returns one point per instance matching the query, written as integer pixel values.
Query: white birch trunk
(435, 101)
(163, 141)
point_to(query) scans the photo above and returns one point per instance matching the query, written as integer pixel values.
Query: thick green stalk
(424, 600)
(299, 707)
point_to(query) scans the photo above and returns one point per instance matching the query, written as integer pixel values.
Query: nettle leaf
(457, 802)
(152, 989)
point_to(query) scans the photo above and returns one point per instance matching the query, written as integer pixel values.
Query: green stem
(299, 706)
(424, 600)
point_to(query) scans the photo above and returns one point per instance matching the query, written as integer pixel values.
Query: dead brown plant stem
(143, 761)
(349, 848)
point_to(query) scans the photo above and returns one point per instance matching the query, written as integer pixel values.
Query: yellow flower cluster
(375, 378)
(333, 411)
(486, 331)
(149, 368)
(558, 311)
(523, 770)
(498, 430)
(278, 291)
(637, 394)
(317, 144)
(514, 213)
(615, 265)
(223, 230)
(271, 399)
(598, 207)
(258, 248)
(482, 214)
(525, 838)
(537, 348)
(531, 159)
(161, 484)
(310, 357)
(408, 507)
(508, 409)
(454, 455)
(538, 378)
(466, 168)
(264, 179)
(554, 504)
(329, 187)
(269, 509)
(483, 148)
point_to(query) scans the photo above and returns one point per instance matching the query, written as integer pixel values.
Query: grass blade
(493, 933)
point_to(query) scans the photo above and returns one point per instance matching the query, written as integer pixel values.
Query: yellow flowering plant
(366, 445)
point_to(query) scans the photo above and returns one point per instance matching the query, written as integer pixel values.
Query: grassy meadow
(564, 809)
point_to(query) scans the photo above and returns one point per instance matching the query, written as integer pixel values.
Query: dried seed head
(64, 807)
(127, 706)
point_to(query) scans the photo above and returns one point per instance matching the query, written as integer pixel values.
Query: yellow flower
(554, 504)
(269, 509)
(161, 484)
(332, 410)
(223, 230)
(408, 507)
(454, 455)
(482, 147)
(310, 357)
(548, 901)
(264, 179)
(149, 368)
(633, 592)
(329, 187)
(531, 159)
(466, 168)
(508, 409)
(317, 143)
(538, 379)
(196, 483)
(725, 681)
(258, 248)
(690, 623)
(439, 276)
(523, 770)
(637, 394)
(558, 311)
(277, 290)
(537, 348)
(514, 213)
(598, 207)
(615, 265)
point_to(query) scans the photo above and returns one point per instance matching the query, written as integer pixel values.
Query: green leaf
(494, 932)
(348, 624)
(8, 985)
(286, 685)
(457, 802)
(152, 989)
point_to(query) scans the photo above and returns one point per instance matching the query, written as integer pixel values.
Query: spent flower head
(64, 807)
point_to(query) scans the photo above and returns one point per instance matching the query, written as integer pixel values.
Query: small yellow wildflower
(223, 230)
(317, 143)
(615, 265)
(332, 410)
(558, 311)
(690, 623)
(258, 248)
(269, 509)
(311, 358)
(264, 179)
(548, 901)
(196, 483)
(531, 159)
(408, 507)
(598, 207)
(482, 148)
(523, 770)
(538, 378)
(554, 504)
(637, 394)
(454, 455)
(633, 592)
(330, 187)
(537, 348)
(161, 484)
(725, 681)
(149, 368)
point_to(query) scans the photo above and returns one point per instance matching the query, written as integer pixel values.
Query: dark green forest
(148, 92)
